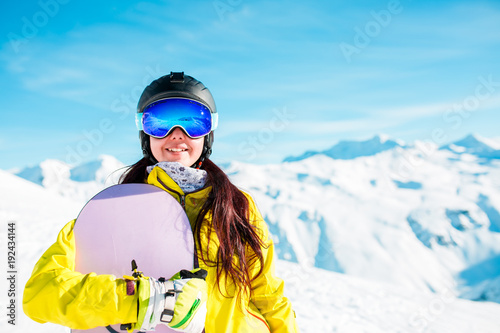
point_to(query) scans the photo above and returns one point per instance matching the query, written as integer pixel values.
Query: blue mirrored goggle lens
(160, 117)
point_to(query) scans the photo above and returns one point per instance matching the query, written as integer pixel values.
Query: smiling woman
(234, 252)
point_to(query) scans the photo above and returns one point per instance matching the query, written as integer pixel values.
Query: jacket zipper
(182, 200)
(182, 197)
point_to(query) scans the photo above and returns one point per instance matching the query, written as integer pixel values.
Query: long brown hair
(238, 238)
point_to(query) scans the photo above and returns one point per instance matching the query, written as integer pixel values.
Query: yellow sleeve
(56, 293)
(267, 288)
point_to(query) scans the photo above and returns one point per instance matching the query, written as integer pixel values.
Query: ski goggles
(159, 118)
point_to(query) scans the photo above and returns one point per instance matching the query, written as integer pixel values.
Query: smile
(175, 150)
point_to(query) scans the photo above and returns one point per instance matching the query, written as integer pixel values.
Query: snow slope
(331, 302)
(38, 214)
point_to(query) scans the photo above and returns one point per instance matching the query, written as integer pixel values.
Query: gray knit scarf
(188, 179)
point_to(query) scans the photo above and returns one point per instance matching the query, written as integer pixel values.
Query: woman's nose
(177, 134)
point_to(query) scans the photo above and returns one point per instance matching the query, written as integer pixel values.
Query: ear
(207, 150)
(146, 147)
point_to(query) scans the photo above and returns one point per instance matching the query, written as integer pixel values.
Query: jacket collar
(161, 179)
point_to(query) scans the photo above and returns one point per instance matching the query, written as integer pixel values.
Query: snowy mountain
(346, 150)
(476, 145)
(414, 215)
(78, 182)
(411, 217)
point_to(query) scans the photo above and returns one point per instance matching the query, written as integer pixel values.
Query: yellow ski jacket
(58, 294)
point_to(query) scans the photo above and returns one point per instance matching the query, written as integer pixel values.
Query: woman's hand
(179, 303)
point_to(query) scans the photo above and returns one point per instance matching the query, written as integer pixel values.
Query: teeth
(175, 149)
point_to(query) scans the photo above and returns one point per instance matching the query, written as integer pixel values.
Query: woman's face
(177, 147)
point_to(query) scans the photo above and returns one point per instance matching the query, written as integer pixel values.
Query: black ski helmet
(176, 84)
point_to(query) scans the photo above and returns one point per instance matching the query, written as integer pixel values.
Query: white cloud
(307, 128)
(410, 112)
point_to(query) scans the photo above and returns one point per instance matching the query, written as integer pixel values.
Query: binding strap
(111, 329)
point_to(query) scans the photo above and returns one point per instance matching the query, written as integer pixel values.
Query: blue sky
(287, 76)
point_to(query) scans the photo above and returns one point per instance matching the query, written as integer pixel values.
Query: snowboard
(128, 222)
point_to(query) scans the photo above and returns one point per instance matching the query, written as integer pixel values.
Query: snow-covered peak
(79, 182)
(46, 173)
(98, 170)
(382, 137)
(474, 141)
(346, 150)
(475, 145)
(351, 149)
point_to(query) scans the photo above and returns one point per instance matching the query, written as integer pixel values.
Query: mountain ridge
(472, 144)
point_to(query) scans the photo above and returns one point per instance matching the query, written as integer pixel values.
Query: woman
(177, 116)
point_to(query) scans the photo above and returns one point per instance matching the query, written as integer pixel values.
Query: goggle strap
(215, 120)
(138, 121)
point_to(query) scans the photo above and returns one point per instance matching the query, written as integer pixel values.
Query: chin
(180, 160)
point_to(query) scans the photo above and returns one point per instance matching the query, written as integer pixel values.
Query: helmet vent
(177, 77)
